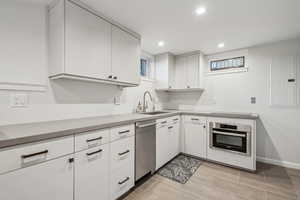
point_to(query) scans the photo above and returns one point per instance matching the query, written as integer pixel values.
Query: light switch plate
(253, 100)
(18, 100)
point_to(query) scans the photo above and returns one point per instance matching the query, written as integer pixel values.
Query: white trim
(278, 162)
(227, 71)
(147, 79)
(22, 86)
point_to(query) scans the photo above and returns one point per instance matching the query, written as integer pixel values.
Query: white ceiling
(237, 23)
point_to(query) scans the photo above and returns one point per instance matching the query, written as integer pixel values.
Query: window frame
(211, 69)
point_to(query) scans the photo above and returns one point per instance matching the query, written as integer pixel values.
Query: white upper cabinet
(88, 49)
(187, 71)
(192, 69)
(86, 46)
(125, 56)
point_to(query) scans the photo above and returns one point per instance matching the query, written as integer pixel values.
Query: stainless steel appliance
(235, 138)
(145, 148)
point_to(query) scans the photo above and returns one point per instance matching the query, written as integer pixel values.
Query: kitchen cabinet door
(173, 138)
(87, 43)
(51, 180)
(125, 56)
(180, 73)
(92, 174)
(195, 139)
(192, 67)
(162, 146)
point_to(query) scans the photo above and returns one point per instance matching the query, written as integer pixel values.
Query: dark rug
(180, 169)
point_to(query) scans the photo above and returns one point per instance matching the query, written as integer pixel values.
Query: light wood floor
(216, 182)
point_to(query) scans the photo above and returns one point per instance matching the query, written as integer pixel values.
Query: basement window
(147, 66)
(225, 64)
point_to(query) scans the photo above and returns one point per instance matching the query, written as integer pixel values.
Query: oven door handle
(230, 134)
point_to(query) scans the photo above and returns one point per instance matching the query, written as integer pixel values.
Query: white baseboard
(278, 162)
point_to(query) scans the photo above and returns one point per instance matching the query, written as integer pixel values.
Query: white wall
(278, 133)
(23, 59)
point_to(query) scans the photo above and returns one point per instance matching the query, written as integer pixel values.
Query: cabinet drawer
(121, 132)
(92, 173)
(195, 119)
(30, 154)
(162, 122)
(122, 153)
(122, 181)
(174, 120)
(91, 139)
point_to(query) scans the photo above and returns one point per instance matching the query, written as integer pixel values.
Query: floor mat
(180, 169)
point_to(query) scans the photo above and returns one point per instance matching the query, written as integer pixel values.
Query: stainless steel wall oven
(235, 138)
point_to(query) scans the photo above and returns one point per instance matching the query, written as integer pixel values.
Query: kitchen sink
(155, 113)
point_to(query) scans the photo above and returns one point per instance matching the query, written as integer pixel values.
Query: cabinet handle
(34, 154)
(92, 153)
(175, 119)
(115, 77)
(204, 126)
(122, 132)
(71, 160)
(163, 122)
(195, 119)
(94, 139)
(123, 153)
(124, 181)
(170, 127)
(291, 80)
(110, 76)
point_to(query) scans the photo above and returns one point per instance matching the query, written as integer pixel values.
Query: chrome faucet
(145, 106)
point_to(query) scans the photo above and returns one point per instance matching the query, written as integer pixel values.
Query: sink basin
(154, 113)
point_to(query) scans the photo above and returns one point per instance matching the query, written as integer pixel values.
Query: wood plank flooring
(216, 182)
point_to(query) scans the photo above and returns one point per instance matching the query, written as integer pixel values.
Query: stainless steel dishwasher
(145, 148)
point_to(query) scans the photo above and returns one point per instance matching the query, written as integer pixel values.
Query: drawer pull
(124, 181)
(195, 119)
(94, 139)
(92, 153)
(123, 153)
(170, 127)
(175, 119)
(122, 132)
(34, 154)
(164, 122)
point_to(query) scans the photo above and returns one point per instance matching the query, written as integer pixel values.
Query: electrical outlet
(253, 100)
(18, 100)
(117, 100)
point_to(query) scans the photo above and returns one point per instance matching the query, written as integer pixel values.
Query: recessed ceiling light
(221, 45)
(161, 43)
(200, 11)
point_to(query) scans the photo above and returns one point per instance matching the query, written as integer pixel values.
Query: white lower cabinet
(121, 166)
(122, 180)
(92, 174)
(195, 138)
(167, 140)
(162, 146)
(51, 180)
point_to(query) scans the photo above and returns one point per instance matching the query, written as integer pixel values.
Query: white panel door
(52, 180)
(283, 80)
(125, 56)
(192, 68)
(195, 139)
(88, 43)
(180, 72)
(162, 146)
(92, 174)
